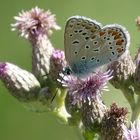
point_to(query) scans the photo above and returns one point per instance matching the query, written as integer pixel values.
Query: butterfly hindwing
(113, 42)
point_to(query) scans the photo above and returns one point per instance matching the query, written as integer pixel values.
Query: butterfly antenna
(56, 91)
(54, 95)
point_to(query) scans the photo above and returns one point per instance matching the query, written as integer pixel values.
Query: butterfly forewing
(78, 32)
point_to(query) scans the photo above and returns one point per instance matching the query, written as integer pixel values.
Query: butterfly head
(67, 71)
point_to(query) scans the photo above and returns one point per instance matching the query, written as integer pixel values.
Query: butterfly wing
(88, 46)
(113, 41)
(78, 32)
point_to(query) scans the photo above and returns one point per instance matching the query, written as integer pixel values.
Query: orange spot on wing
(119, 50)
(117, 36)
(102, 33)
(119, 42)
(114, 33)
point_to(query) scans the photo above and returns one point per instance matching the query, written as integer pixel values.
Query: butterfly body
(88, 45)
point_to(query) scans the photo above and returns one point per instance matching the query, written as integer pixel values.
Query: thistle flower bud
(41, 54)
(57, 64)
(111, 125)
(123, 70)
(92, 113)
(26, 88)
(21, 83)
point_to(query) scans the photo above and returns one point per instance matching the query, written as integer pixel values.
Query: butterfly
(88, 45)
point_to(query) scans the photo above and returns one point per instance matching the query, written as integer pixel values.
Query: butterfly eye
(67, 71)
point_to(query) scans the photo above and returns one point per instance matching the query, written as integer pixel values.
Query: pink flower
(88, 88)
(35, 22)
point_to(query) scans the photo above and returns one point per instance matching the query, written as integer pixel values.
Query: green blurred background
(16, 122)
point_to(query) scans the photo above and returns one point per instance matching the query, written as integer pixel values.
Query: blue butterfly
(88, 45)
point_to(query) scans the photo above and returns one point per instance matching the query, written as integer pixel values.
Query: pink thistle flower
(35, 22)
(89, 88)
(58, 55)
